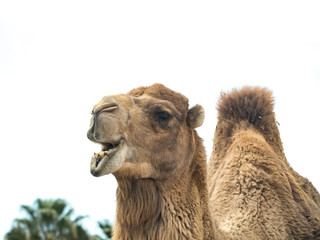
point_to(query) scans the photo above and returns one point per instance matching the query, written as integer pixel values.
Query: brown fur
(162, 190)
(254, 193)
(162, 177)
(151, 209)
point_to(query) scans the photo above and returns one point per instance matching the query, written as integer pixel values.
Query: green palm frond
(24, 223)
(41, 204)
(16, 234)
(79, 218)
(29, 210)
(67, 214)
(59, 206)
(106, 228)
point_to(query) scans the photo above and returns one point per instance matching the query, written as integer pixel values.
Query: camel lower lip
(98, 160)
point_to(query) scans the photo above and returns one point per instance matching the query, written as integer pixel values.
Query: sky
(59, 58)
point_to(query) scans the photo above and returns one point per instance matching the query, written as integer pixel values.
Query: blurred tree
(48, 220)
(106, 228)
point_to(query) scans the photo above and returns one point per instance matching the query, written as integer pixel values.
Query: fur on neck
(175, 209)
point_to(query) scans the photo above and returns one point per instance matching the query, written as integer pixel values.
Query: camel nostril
(93, 135)
(90, 131)
(90, 135)
(96, 136)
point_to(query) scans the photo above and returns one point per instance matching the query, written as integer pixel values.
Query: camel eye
(163, 116)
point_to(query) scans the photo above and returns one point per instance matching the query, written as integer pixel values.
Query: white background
(58, 58)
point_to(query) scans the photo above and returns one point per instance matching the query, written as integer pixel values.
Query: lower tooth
(102, 154)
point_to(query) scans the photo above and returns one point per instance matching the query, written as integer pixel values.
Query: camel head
(147, 133)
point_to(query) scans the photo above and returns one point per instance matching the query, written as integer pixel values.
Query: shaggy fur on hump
(249, 107)
(254, 193)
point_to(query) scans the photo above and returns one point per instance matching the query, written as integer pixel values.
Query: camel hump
(251, 104)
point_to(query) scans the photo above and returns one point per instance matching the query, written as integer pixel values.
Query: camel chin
(109, 160)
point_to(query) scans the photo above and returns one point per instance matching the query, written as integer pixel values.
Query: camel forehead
(159, 91)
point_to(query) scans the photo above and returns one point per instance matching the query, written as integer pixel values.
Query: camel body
(150, 145)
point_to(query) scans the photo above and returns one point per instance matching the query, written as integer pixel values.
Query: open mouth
(108, 150)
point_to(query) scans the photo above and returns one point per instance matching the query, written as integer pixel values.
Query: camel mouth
(107, 150)
(104, 157)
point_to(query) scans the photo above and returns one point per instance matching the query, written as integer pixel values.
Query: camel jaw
(109, 159)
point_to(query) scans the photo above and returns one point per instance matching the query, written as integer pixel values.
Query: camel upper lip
(109, 146)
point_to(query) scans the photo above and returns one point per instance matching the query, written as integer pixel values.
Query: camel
(149, 143)
(253, 191)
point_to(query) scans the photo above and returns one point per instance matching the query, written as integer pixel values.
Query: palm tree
(48, 220)
(106, 228)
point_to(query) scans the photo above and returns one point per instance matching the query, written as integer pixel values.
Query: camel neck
(175, 209)
(139, 201)
(148, 209)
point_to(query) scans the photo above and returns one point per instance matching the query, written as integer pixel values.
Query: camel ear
(195, 116)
